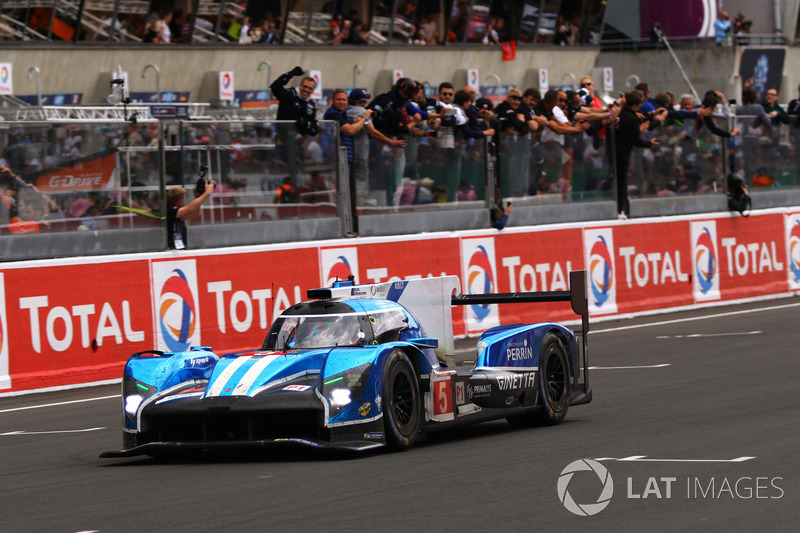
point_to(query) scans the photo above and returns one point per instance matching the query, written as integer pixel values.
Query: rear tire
(554, 386)
(402, 405)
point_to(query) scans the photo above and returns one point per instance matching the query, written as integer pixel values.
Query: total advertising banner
(6, 80)
(72, 321)
(535, 261)
(226, 85)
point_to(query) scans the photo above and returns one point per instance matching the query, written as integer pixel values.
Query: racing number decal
(439, 401)
(443, 397)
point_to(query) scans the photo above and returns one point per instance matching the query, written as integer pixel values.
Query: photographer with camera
(178, 212)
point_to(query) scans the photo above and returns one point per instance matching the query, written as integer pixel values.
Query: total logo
(599, 245)
(226, 81)
(4, 74)
(793, 252)
(176, 304)
(480, 279)
(480, 273)
(704, 256)
(705, 261)
(338, 264)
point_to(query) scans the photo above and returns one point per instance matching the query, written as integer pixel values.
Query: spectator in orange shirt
(762, 178)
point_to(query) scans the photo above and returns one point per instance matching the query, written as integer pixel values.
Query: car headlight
(134, 392)
(346, 387)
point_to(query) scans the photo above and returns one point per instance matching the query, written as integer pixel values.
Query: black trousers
(623, 204)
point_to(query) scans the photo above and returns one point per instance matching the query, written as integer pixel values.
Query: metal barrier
(99, 187)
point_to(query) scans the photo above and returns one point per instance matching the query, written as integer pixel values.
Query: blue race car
(358, 367)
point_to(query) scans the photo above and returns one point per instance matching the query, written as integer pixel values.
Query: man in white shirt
(557, 126)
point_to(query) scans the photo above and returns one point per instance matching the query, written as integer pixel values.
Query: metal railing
(99, 186)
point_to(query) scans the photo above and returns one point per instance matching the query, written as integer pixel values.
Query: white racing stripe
(226, 374)
(250, 376)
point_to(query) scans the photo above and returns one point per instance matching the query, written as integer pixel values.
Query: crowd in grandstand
(417, 145)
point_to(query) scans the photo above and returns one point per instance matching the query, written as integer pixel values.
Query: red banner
(74, 321)
(89, 174)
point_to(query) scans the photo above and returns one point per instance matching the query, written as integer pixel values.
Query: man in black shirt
(627, 134)
(297, 106)
(389, 108)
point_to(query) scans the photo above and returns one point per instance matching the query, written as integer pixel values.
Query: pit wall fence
(66, 322)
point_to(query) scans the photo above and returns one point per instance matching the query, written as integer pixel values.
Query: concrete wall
(708, 67)
(85, 69)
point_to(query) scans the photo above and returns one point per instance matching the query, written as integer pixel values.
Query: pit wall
(72, 321)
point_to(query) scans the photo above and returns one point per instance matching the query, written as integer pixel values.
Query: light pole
(572, 77)
(497, 79)
(158, 79)
(31, 72)
(269, 76)
(631, 78)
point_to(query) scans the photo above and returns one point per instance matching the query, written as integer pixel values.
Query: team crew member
(627, 135)
(296, 104)
(178, 213)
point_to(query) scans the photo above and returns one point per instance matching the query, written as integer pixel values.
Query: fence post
(344, 201)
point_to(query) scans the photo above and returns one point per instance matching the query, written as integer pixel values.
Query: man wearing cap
(389, 107)
(358, 99)
(390, 117)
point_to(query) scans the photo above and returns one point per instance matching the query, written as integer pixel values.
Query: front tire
(402, 405)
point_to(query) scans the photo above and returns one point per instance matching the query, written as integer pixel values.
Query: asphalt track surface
(695, 417)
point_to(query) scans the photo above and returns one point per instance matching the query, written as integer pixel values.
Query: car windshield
(294, 332)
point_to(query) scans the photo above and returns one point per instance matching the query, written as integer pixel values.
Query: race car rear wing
(576, 295)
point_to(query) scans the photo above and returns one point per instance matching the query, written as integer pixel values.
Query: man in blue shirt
(722, 26)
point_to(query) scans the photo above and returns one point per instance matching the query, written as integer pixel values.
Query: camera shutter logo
(587, 509)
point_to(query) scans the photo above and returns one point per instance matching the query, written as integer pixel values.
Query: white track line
(662, 365)
(49, 432)
(58, 404)
(691, 319)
